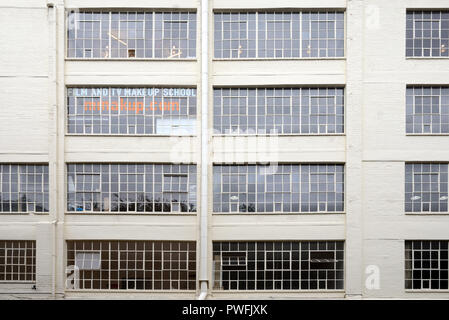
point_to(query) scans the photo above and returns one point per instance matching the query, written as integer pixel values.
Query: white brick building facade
(374, 148)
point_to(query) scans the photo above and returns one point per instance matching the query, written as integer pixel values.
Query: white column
(354, 148)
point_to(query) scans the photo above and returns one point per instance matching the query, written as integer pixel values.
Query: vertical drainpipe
(53, 98)
(203, 279)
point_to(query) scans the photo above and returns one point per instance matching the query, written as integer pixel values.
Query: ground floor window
(426, 265)
(305, 265)
(17, 260)
(132, 265)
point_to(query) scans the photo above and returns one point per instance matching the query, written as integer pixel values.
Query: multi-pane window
(314, 265)
(292, 188)
(322, 34)
(427, 34)
(279, 110)
(131, 188)
(426, 187)
(426, 265)
(104, 35)
(427, 110)
(235, 35)
(132, 265)
(24, 188)
(128, 111)
(278, 35)
(17, 260)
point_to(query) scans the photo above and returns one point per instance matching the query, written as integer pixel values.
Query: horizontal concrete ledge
(264, 214)
(145, 295)
(286, 224)
(121, 224)
(137, 4)
(279, 59)
(132, 59)
(280, 4)
(235, 294)
(18, 75)
(115, 136)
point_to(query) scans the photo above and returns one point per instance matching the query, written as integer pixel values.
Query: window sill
(131, 59)
(281, 135)
(288, 291)
(427, 213)
(426, 58)
(426, 291)
(278, 59)
(128, 135)
(24, 213)
(92, 213)
(427, 134)
(278, 213)
(118, 291)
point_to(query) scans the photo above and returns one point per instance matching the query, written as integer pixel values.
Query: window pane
(426, 187)
(427, 35)
(24, 188)
(427, 110)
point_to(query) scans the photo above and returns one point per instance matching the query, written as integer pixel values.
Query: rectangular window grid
(18, 260)
(322, 34)
(24, 188)
(115, 113)
(278, 35)
(286, 111)
(308, 265)
(131, 34)
(427, 34)
(426, 265)
(293, 188)
(134, 265)
(427, 110)
(131, 188)
(426, 187)
(233, 32)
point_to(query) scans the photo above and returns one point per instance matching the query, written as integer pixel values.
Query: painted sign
(132, 92)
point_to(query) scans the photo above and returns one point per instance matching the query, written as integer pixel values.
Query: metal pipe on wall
(203, 279)
(53, 88)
